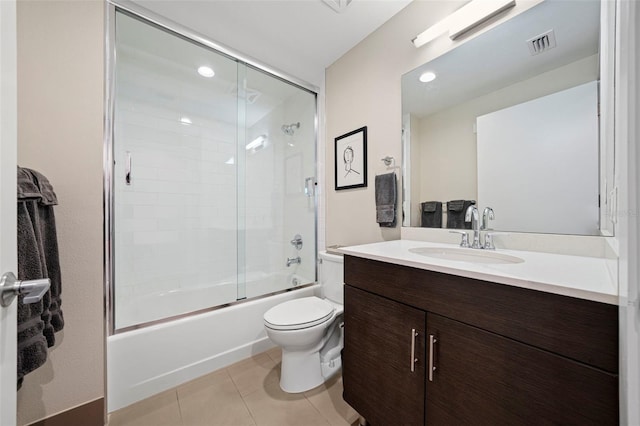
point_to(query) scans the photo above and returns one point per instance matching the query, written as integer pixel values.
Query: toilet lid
(299, 313)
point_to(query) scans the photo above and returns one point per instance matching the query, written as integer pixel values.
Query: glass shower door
(175, 192)
(279, 184)
(213, 177)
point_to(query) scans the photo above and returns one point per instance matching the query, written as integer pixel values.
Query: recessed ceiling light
(185, 120)
(206, 71)
(428, 76)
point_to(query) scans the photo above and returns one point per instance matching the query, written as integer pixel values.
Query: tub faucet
(472, 216)
(292, 260)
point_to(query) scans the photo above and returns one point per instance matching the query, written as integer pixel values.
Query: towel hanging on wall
(386, 199)
(37, 258)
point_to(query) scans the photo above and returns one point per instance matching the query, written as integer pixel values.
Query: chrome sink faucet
(472, 216)
(487, 215)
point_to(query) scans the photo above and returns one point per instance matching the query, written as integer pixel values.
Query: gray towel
(456, 210)
(386, 199)
(431, 214)
(37, 258)
(32, 344)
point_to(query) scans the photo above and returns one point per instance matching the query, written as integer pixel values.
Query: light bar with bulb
(464, 19)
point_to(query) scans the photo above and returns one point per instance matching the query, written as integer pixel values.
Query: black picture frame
(351, 160)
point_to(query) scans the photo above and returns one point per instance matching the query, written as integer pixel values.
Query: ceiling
(298, 37)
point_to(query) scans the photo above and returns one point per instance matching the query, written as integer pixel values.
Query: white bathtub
(144, 362)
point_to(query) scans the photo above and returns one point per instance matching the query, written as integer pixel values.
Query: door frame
(8, 223)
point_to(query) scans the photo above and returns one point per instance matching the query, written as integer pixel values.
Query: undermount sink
(466, 255)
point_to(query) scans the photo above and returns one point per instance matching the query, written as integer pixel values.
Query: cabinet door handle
(414, 334)
(432, 367)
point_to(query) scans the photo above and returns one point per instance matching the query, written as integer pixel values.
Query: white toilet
(310, 331)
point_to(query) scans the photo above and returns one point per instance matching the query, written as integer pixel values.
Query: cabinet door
(377, 364)
(486, 379)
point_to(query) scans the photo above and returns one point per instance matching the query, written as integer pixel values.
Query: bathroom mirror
(511, 121)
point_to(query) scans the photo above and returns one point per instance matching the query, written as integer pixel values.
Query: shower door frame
(146, 16)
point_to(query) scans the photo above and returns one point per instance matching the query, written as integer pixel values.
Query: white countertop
(575, 276)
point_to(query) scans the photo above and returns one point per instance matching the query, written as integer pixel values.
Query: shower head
(289, 129)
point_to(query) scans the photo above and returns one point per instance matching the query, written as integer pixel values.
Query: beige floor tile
(213, 400)
(327, 399)
(159, 410)
(254, 373)
(270, 406)
(275, 354)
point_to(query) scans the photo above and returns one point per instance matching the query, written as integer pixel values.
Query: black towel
(386, 199)
(37, 258)
(431, 213)
(456, 210)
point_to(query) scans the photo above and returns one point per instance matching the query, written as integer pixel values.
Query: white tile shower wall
(176, 222)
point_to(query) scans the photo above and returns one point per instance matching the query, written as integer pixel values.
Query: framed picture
(351, 159)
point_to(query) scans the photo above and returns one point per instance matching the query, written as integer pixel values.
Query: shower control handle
(297, 242)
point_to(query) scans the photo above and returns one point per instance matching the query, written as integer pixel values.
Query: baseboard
(89, 414)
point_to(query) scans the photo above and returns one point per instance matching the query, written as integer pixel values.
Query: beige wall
(363, 89)
(60, 113)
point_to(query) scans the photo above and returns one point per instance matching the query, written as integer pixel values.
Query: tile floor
(244, 394)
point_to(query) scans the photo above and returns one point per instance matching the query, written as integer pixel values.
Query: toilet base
(304, 370)
(300, 371)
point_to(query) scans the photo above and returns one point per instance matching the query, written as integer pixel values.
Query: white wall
(541, 157)
(363, 89)
(60, 133)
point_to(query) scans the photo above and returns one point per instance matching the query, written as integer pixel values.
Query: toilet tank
(331, 276)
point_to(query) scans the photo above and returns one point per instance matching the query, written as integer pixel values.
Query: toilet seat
(299, 314)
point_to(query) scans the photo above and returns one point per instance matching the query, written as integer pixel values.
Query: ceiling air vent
(542, 43)
(337, 5)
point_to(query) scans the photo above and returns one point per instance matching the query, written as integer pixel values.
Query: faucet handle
(488, 241)
(465, 238)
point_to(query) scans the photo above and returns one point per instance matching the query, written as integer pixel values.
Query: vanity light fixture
(186, 121)
(428, 76)
(464, 19)
(206, 71)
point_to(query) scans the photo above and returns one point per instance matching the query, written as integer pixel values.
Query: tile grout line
(179, 406)
(327, 421)
(246, 406)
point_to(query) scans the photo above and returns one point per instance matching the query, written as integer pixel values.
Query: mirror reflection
(509, 120)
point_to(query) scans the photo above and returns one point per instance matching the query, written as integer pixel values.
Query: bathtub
(149, 307)
(149, 360)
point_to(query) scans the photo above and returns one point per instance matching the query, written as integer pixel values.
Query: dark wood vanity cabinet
(391, 393)
(502, 355)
